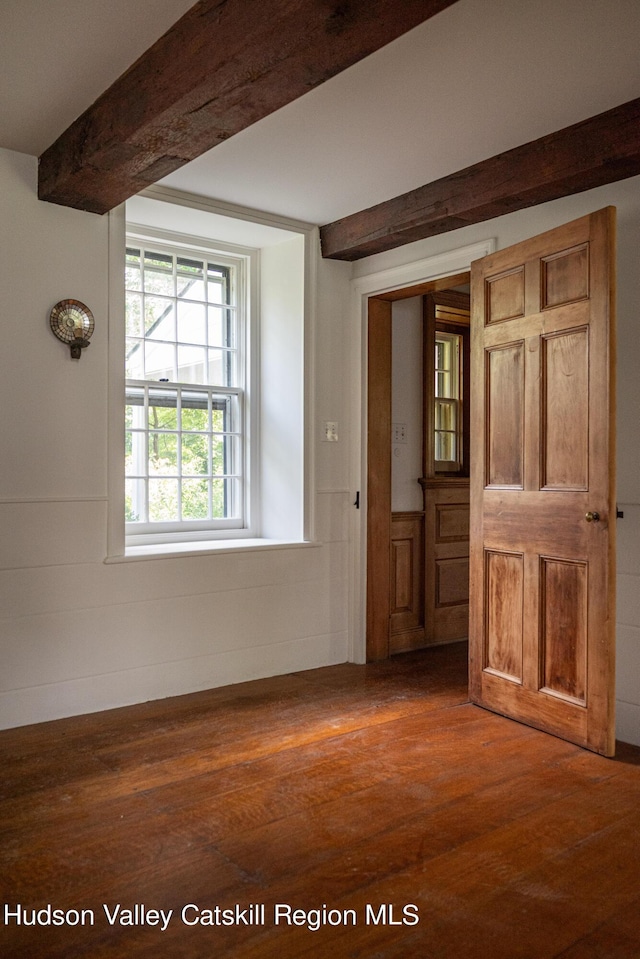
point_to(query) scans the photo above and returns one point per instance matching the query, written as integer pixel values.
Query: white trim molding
(422, 271)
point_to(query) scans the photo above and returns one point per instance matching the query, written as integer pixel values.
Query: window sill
(204, 548)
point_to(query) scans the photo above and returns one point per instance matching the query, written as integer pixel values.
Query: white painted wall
(406, 403)
(76, 634)
(282, 390)
(517, 226)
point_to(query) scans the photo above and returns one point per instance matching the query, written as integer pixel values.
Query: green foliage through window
(183, 405)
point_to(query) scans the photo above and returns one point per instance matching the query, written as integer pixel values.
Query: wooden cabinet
(429, 570)
(446, 581)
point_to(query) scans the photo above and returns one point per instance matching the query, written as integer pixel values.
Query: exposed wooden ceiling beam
(600, 150)
(224, 65)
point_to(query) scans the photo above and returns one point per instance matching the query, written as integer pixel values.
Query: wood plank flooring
(351, 790)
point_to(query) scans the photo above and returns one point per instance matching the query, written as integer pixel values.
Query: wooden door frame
(374, 295)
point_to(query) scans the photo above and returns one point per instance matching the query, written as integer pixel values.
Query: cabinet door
(446, 562)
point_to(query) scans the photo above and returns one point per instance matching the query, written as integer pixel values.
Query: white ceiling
(481, 77)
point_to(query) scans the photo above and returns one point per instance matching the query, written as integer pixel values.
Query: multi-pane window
(446, 371)
(448, 407)
(184, 396)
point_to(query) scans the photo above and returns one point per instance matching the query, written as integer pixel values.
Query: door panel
(565, 276)
(504, 577)
(504, 415)
(565, 411)
(505, 295)
(564, 634)
(542, 575)
(406, 622)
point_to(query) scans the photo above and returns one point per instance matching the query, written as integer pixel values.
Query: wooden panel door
(542, 489)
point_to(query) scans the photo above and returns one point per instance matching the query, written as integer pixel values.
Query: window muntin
(181, 315)
(184, 414)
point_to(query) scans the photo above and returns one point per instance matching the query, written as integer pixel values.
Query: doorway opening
(417, 537)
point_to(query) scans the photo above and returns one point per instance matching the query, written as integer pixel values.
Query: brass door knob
(592, 517)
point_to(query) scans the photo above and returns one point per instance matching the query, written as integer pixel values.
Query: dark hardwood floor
(341, 790)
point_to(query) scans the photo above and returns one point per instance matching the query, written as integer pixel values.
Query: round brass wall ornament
(73, 323)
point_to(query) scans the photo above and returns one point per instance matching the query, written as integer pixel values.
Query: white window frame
(244, 262)
(211, 396)
(283, 255)
(453, 400)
